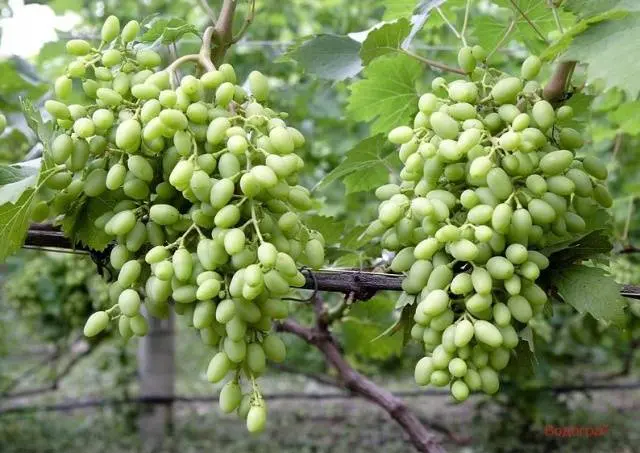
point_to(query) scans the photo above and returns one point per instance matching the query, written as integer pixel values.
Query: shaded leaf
(332, 57)
(627, 117)
(330, 228)
(360, 170)
(387, 95)
(590, 290)
(606, 47)
(365, 323)
(587, 8)
(79, 225)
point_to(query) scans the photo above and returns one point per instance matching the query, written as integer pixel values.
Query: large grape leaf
(365, 322)
(332, 57)
(384, 40)
(588, 8)
(366, 165)
(610, 49)
(590, 290)
(387, 95)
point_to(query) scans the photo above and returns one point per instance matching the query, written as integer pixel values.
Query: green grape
(256, 358)
(531, 67)
(466, 60)
(78, 47)
(256, 419)
(487, 333)
(506, 90)
(96, 323)
(520, 308)
(139, 325)
(129, 302)
(274, 348)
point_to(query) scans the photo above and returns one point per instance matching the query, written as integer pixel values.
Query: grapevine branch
(555, 90)
(320, 337)
(362, 284)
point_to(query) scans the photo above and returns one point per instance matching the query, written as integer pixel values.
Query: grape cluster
(490, 177)
(206, 215)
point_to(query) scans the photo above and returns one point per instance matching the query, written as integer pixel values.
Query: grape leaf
(384, 40)
(606, 47)
(489, 30)
(387, 95)
(395, 9)
(588, 8)
(332, 57)
(590, 290)
(14, 223)
(330, 228)
(537, 13)
(15, 216)
(586, 247)
(627, 117)
(79, 226)
(363, 162)
(561, 45)
(166, 31)
(365, 323)
(16, 179)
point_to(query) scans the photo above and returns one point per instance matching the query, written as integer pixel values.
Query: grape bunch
(206, 212)
(490, 177)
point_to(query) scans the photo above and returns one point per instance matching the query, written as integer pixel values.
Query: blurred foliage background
(46, 296)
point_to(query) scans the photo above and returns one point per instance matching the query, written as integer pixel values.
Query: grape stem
(432, 63)
(254, 220)
(203, 58)
(247, 21)
(451, 27)
(503, 39)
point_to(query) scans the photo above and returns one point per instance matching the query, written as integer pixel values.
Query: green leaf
(332, 57)
(489, 30)
(366, 165)
(14, 223)
(365, 322)
(387, 96)
(561, 45)
(384, 40)
(607, 48)
(167, 31)
(16, 179)
(79, 224)
(588, 8)
(537, 13)
(395, 9)
(590, 290)
(330, 228)
(627, 117)
(589, 246)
